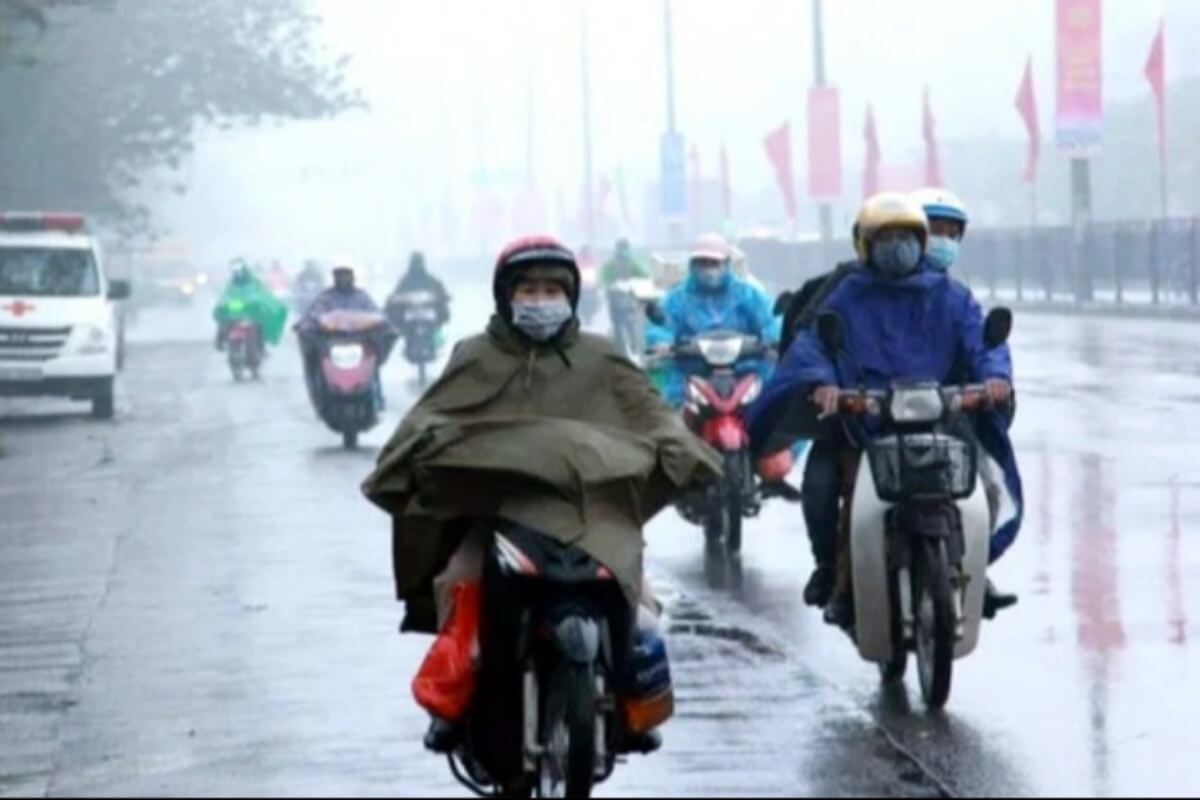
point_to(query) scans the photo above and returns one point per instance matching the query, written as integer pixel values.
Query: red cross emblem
(19, 308)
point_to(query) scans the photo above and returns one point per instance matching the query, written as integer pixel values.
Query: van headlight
(89, 340)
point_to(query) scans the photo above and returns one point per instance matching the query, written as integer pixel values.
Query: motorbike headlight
(89, 340)
(346, 356)
(753, 392)
(917, 405)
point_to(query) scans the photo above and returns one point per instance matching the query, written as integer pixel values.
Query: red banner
(824, 144)
(1080, 76)
(1027, 108)
(1156, 73)
(779, 151)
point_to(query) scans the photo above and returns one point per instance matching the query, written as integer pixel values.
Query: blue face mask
(942, 252)
(711, 278)
(897, 258)
(542, 321)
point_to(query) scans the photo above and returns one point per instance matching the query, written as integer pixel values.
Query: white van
(58, 320)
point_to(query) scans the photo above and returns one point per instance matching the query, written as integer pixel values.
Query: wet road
(195, 600)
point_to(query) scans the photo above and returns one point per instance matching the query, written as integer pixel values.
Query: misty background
(457, 124)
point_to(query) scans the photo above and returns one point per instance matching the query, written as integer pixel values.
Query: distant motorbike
(418, 317)
(627, 304)
(344, 381)
(244, 350)
(305, 291)
(918, 522)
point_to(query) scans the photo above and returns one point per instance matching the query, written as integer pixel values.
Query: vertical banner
(1080, 77)
(824, 144)
(933, 158)
(673, 177)
(1027, 108)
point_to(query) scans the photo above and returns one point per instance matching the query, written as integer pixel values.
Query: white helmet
(710, 247)
(942, 204)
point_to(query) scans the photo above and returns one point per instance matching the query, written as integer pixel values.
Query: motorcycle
(628, 301)
(918, 522)
(304, 292)
(545, 718)
(244, 350)
(416, 316)
(714, 409)
(344, 386)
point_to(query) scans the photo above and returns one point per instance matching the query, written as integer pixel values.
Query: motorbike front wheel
(936, 629)
(567, 767)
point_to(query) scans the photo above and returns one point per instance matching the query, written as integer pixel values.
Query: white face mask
(542, 321)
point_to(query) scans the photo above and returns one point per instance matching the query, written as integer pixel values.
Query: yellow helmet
(889, 210)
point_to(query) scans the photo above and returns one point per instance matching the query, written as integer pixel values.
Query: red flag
(871, 164)
(1027, 106)
(779, 151)
(933, 161)
(726, 190)
(1156, 73)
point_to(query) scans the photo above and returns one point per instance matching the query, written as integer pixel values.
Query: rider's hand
(999, 391)
(826, 398)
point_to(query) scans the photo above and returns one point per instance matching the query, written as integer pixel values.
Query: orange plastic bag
(445, 682)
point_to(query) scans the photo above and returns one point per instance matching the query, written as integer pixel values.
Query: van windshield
(47, 272)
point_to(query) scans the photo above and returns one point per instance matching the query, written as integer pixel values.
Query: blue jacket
(691, 309)
(928, 327)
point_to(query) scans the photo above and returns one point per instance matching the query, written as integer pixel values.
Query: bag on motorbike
(445, 682)
(647, 696)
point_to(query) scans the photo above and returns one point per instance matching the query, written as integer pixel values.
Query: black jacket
(804, 306)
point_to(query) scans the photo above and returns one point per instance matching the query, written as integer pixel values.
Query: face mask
(711, 278)
(896, 258)
(542, 321)
(942, 252)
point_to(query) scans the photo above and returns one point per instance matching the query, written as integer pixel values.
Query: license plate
(20, 374)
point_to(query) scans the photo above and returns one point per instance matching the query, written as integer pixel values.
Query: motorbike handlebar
(957, 398)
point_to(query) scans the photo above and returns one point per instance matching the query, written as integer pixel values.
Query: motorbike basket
(923, 466)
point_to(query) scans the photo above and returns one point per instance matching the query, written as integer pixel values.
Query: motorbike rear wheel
(936, 628)
(567, 767)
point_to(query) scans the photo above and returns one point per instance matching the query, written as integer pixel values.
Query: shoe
(442, 736)
(995, 601)
(840, 612)
(642, 743)
(819, 590)
(781, 489)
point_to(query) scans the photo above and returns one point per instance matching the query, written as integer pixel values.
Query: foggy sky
(447, 83)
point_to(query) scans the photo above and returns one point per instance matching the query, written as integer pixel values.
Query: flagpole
(825, 210)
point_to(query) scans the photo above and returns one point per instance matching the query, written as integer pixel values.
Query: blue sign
(673, 177)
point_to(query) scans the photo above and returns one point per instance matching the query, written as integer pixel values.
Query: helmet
(942, 204)
(528, 253)
(710, 247)
(890, 210)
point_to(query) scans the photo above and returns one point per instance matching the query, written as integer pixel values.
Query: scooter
(918, 522)
(244, 350)
(344, 388)
(715, 405)
(416, 316)
(554, 643)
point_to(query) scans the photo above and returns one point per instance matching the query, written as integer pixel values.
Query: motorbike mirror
(832, 331)
(655, 314)
(782, 303)
(997, 327)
